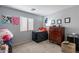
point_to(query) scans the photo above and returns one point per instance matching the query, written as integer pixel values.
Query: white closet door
(23, 24)
(30, 23)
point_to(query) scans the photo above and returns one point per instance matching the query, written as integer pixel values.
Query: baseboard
(21, 43)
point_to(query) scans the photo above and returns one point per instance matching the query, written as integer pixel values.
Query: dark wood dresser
(56, 34)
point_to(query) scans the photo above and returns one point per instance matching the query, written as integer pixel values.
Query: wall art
(59, 21)
(67, 20)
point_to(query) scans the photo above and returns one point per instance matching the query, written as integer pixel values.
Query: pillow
(6, 37)
(42, 29)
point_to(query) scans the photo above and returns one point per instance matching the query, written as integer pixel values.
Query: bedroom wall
(72, 12)
(20, 37)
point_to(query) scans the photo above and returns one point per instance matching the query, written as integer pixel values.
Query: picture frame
(59, 21)
(46, 20)
(67, 20)
(52, 21)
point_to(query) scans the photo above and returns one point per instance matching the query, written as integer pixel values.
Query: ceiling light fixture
(33, 9)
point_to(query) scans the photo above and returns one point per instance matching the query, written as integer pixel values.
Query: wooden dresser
(56, 34)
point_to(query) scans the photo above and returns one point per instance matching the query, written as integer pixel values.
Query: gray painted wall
(72, 12)
(20, 37)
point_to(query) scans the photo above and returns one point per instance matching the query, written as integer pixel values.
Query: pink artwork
(15, 20)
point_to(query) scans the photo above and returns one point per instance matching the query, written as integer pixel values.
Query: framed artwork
(46, 20)
(59, 21)
(52, 21)
(15, 20)
(67, 20)
(5, 19)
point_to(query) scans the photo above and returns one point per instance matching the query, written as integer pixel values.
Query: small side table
(71, 38)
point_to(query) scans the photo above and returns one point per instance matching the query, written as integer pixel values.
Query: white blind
(30, 23)
(23, 24)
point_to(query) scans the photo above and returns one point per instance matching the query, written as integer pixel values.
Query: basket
(68, 47)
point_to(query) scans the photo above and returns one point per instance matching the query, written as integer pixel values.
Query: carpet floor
(33, 47)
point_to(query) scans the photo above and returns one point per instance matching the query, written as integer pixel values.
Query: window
(30, 24)
(26, 24)
(23, 24)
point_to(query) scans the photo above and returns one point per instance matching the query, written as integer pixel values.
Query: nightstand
(74, 39)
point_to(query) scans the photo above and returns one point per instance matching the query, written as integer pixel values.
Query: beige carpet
(33, 47)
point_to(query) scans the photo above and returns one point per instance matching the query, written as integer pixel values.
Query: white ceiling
(41, 9)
